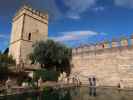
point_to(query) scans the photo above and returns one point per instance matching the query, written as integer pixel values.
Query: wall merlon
(74, 51)
(99, 46)
(27, 10)
(131, 39)
(131, 36)
(123, 41)
(92, 47)
(85, 48)
(114, 43)
(81, 49)
(106, 44)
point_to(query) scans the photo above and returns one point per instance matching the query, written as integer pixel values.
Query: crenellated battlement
(106, 45)
(124, 41)
(29, 10)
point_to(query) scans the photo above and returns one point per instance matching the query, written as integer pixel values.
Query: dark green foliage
(5, 62)
(46, 75)
(47, 89)
(52, 54)
(22, 77)
(51, 94)
(5, 59)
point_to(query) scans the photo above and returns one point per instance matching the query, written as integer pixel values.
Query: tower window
(29, 36)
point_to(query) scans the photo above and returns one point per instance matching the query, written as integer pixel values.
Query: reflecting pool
(80, 93)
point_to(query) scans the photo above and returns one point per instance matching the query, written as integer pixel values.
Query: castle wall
(111, 66)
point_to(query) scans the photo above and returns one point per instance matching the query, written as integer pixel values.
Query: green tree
(50, 54)
(5, 62)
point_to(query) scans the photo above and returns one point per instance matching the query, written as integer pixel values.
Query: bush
(46, 75)
(47, 89)
(5, 59)
(50, 94)
(5, 62)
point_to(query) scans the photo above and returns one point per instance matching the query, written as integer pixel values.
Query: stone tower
(28, 26)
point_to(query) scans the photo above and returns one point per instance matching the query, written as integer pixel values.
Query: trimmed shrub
(46, 75)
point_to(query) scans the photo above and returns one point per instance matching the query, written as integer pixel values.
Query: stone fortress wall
(111, 63)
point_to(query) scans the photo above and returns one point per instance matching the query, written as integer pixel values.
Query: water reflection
(82, 93)
(92, 91)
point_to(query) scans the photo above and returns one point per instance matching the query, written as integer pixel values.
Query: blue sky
(75, 22)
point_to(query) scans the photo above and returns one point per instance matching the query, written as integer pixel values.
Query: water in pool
(82, 93)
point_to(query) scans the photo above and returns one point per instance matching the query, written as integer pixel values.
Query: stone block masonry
(111, 66)
(29, 26)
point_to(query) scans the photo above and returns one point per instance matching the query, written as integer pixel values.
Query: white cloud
(79, 5)
(74, 35)
(73, 15)
(100, 8)
(76, 7)
(3, 36)
(124, 3)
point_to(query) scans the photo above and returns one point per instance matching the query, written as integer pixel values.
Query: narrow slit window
(29, 36)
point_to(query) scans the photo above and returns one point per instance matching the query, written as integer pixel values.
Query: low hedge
(46, 75)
